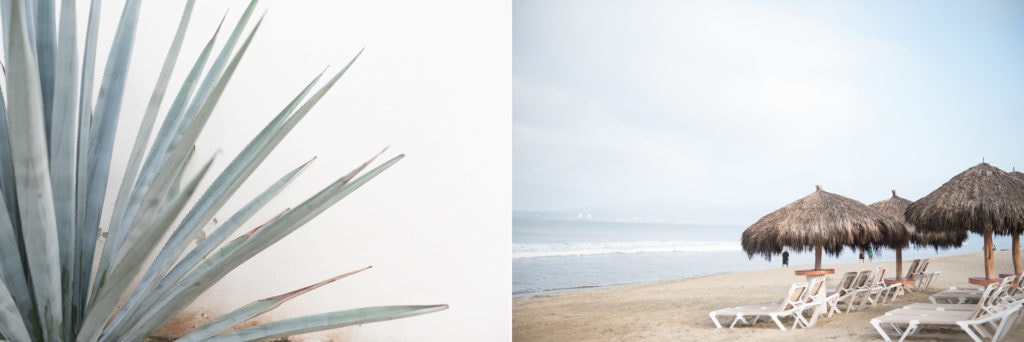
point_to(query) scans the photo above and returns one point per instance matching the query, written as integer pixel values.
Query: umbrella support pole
(817, 271)
(817, 257)
(1016, 253)
(899, 272)
(899, 264)
(990, 262)
(990, 265)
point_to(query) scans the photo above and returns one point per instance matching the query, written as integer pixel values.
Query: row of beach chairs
(984, 313)
(805, 302)
(858, 289)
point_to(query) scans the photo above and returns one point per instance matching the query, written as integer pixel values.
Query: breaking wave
(539, 250)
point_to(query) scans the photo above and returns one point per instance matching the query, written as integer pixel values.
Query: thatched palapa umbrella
(821, 221)
(983, 199)
(896, 208)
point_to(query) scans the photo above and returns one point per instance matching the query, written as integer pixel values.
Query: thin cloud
(661, 99)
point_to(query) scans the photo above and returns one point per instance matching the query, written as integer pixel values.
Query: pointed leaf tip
(289, 295)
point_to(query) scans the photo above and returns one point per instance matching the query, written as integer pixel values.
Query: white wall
(434, 84)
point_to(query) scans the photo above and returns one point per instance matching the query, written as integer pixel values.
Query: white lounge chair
(967, 295)
(912, 274)
(776, 311)
(922, 277)
(842, 291)
(863, 292)
(910, 271)
(992, 327)
(992, 298)
(987, 320)
(879, 291)
(814, 301)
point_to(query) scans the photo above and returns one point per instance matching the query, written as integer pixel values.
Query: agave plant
(56, 145)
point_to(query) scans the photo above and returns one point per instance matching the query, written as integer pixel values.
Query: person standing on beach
(871, 254)
(785, 259)
(862, 255)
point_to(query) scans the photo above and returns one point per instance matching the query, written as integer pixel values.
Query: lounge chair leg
(714, 318)
(778, 322)
(738, 318)
(911, 329)
(970, 332)
(849, 304)
(818, 311)
(878, 326)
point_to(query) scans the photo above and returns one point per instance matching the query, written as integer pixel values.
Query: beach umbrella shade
(896, 207)
(983, 199)
(821, 221)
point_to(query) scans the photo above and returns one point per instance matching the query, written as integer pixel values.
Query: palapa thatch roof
(822, 218)
(1019, 175)
(896, 208)
(982, 198)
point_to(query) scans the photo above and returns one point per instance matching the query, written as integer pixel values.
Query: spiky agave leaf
(137, 246)
(175, 131)
(212, 200)
(137, 300)
(62, 156)
(31, 174)
(55, 165)
(11, 324)
(107, 113)
(216, 266)
(330, 320)
(254, 309)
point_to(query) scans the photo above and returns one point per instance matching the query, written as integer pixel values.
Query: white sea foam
(537, 250)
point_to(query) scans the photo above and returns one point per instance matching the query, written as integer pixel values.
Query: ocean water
(552, 255)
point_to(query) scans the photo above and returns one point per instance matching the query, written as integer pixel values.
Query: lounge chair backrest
(985, 301)
(861, 279)
(879, 279)
(921, 267)
(1017, 287)
(996, 297)
(795, 296)
(846, 282)
(870, 280)
(913, 268)
(816, 287)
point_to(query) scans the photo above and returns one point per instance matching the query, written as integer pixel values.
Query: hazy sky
(630, 103)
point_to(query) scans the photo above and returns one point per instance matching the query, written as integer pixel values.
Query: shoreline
(528, 294)
(678, 309)
(888, 259)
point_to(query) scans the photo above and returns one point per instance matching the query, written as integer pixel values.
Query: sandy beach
(677, 310)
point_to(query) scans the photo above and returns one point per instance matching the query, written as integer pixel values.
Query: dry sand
(678, 310)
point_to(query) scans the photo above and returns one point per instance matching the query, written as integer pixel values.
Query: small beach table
(984, 281)
(815, 274)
